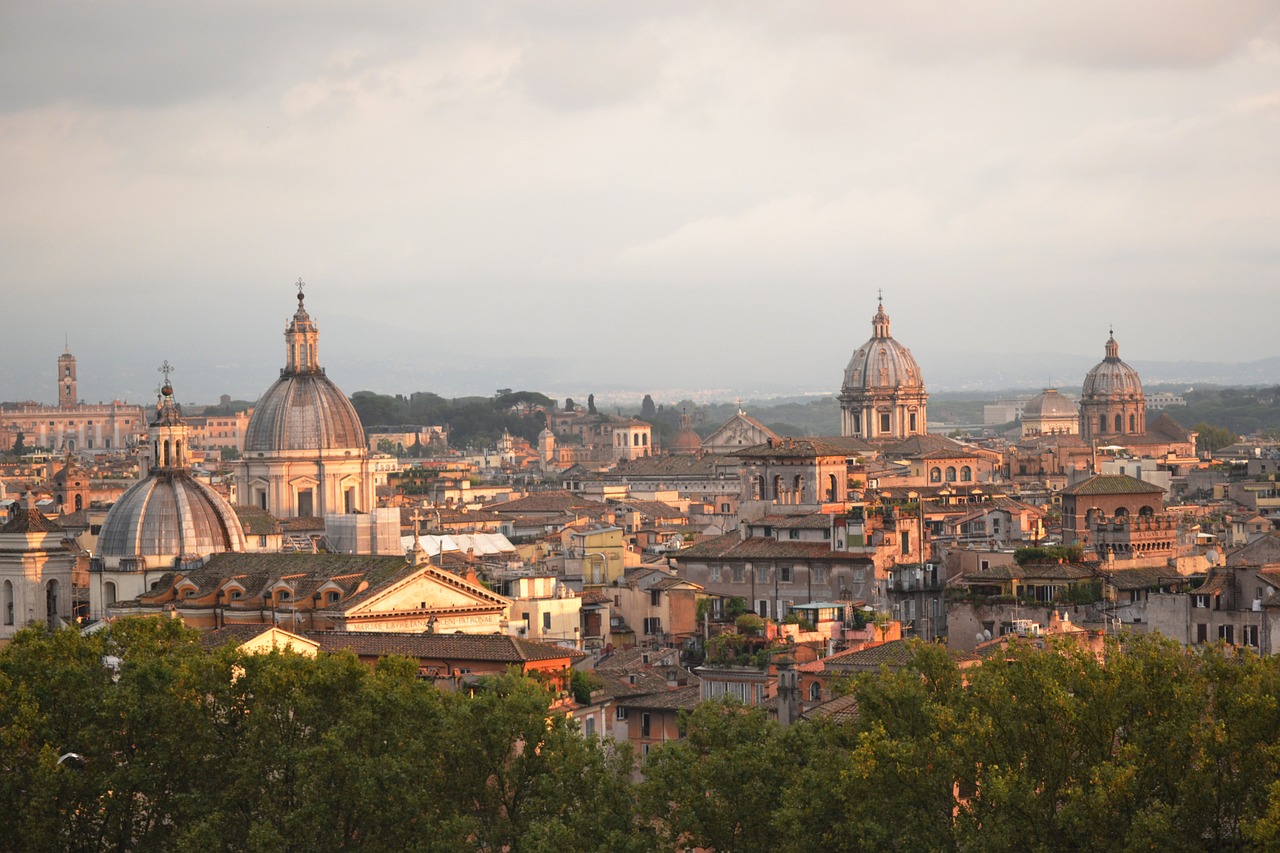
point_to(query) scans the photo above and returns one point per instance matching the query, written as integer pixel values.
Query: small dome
(1049, 404)
(303, 411)
(882, 362)
(1111, 377)
(685, 441)
(169, 514)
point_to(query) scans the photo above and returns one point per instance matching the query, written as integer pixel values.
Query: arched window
(8, 602)
(644, 439)
(777, 486)
(109, 593)
(1133, 421)
(966, 474)
(165, 463)
(759, 489)
(635, 440)
(798, 489)
(79, 502)
(1146, 512)
(935, 475)
(51, 601)
(1119, 423)
(1102, 423)
(832, 491)
(951, 473)
(1121, 512)
(815, 691)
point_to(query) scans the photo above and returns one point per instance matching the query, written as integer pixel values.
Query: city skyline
(714, 205)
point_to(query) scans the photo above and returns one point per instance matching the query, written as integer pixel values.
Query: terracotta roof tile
(497, 648)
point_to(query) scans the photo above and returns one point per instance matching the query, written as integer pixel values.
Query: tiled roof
(626, 660)
(653, 509)
(895, 653)
(808, 521)
(920, 445)
(1112, 484)
(257, 521)
(806, 448)
(842, 709)
(731, 547)
(564, 502)
(1140, 578)
(497, 648)
(239, 634)
(681, 698)
(1029, 571)
(30, 521)
(665, 466)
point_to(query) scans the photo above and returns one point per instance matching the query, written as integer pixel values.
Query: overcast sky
(573, 196)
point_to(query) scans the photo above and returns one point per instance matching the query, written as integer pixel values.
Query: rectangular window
(1227, 633)
(620, 713)
(905, 540)
(762, 574)
(1250, 635)
(738, 574)
(762, 608)
(546, 621)
(784, 574)
(655, 597)
(819, 574)
(793, 534)
(645, 728)
(884, 422)
(1202, 633)
(715, 574)
(912, 420)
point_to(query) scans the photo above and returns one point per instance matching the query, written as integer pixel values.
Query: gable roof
(1112, 484)
(495, 648)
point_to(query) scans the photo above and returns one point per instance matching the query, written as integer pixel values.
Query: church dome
(169, 514)
(303, 410)
(1111, 377)
(881, 363)
(1049, 404)
(685, 441)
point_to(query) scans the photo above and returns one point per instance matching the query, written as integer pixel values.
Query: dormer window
(283, 595)
(334, 596)
(236, 594)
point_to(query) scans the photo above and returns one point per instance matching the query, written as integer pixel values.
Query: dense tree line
(1155, 749)
(472, 421)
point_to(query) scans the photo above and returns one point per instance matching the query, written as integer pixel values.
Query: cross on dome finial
(880, 295)
(300, 285)
(166, 369)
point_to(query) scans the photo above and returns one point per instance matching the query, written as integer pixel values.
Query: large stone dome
(882, 362)
(1049, 404)
(169, 514)
(303, 411)
(1111, 378)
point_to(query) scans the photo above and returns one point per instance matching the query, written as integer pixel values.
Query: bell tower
(67, 396)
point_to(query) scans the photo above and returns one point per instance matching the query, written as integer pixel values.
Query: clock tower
(67, 397)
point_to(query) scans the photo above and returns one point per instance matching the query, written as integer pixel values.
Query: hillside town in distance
(598, 547)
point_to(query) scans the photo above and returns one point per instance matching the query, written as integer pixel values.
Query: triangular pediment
(740, 431)
(429, 590)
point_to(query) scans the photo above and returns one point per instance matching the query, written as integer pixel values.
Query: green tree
(720, 787)
(1210, 438)
(647, 409)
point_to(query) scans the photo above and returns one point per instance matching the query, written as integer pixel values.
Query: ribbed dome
(1049, 404)
(882, 362)
(303, 411)
(169, 514)
(1111, 377)
(685, 441)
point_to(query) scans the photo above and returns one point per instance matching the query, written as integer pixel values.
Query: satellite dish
(986, 634)
(1212, 556)
(980, 638)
